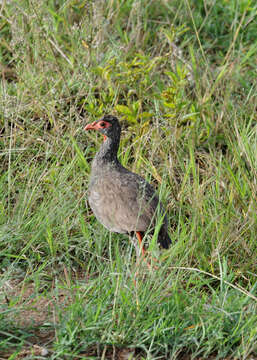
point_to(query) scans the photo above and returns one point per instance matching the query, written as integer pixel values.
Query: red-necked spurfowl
(120, 199)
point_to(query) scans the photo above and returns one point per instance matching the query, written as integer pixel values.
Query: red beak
(91, 126)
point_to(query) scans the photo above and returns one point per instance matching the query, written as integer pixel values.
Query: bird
(121, 200)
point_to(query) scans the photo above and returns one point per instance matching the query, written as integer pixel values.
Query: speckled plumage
(120, 199)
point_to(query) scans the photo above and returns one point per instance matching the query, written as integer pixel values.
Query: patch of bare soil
(34, 312)
(33, 308)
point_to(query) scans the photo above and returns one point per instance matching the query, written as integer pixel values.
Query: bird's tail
(163, 237)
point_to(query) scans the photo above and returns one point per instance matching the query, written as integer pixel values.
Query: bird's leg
(141, 247)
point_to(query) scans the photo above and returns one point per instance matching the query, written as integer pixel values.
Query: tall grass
(181, 77)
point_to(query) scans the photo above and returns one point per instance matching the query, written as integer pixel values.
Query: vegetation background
(181, 76)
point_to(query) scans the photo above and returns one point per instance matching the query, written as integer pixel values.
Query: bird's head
(108, 126)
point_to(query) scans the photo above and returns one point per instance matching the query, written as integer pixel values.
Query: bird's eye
(102, 124)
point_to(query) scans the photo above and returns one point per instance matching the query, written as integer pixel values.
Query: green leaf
(123, 109)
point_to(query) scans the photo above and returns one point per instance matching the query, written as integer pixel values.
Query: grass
(181, 77)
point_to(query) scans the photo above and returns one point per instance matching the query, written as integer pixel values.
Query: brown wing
(137, 203)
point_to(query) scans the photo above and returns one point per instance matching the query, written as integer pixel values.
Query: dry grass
(180, 76)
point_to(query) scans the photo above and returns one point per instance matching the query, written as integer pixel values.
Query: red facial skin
(98, 125)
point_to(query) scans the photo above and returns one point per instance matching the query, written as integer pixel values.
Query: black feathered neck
(108, 150)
